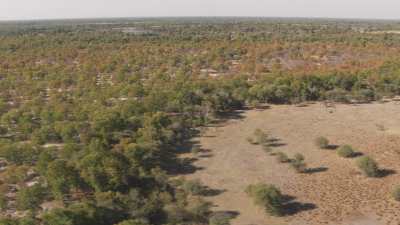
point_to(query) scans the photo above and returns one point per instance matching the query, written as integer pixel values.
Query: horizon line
(199, 17)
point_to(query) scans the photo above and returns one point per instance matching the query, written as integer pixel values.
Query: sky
(55, 9)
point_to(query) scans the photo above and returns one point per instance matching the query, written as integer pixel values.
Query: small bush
(282, 157)
(267, 148)
(345, 151)
(199, 210)
(220, 219)
(252, 141)
(368, 166)
(298, 157)
(396, 193)
(267, 196)
(322, 142)
(261, 136)
(193, 187)
(298, 163)
(258, 132)
(337, 95)
(29, 198)
(365, 95)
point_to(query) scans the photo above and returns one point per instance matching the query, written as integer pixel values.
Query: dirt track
(335, 193)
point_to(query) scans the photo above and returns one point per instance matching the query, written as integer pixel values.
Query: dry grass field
(333, 192)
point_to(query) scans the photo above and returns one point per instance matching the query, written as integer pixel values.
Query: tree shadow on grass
(292, 207)
(185, 166)
(357, 154)
(332, 147)
(210, 192)
(386, 172)
(175, 166)
(262, 107)
(316, 170)
(225, 116)
(275, 142)
(225, 216)
(206, 156)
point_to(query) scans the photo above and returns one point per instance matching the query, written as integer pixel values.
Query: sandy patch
(335, 193)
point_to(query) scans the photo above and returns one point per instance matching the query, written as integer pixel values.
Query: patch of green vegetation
(298, 163)
(282, 157)
(322, 142)
(345, 151)
(368, 166)
(94, 111)
(267, 196)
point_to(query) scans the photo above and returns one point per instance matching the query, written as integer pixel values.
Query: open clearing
(335, 192)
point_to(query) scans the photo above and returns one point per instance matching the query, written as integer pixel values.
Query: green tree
(368, 166)
(267, 196)
(30, 198)
(105, 171)
(133, 222)
(61, 177)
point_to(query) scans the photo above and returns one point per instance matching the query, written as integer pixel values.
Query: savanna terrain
(333, 192)
(199, 121)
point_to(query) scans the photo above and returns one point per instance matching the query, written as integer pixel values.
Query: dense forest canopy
(94, 113)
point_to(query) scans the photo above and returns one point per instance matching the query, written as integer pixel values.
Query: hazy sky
(40, 9)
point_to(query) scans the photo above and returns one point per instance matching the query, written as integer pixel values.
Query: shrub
(258, 132)
(193, 187)
(133, 222)
(282, 157)
(396, 193)
(298, 163)
(30, 198)
(220, 219)
(368, 166)
(267, 148)
(267, 196)
(199, 209)
(298, 157)
(322, 142)
(337, 95)
(365, 95)
(176, 214)
(261, 136)
(252, 141)
(345, 151)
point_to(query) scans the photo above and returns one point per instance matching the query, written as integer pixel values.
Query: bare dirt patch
(335, 192)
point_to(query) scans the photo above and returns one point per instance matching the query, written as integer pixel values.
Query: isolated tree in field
(267, 196)
(345, 151)
(252, 141)
(298, 163)
(368, 166)
(261, 136)
(322, 142)
(282, 157)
